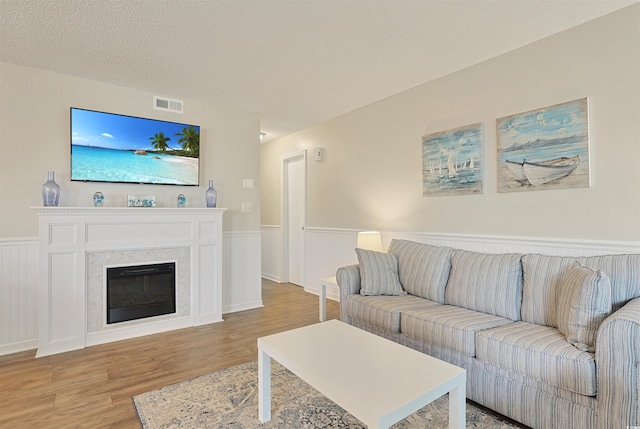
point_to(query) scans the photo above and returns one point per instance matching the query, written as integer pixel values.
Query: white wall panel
(272, 252)
(326, 251)
(18, 295)
(241, 283)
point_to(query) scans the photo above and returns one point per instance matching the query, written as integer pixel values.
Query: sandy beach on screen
(182, 160)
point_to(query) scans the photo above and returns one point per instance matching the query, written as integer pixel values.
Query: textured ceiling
(296, 62)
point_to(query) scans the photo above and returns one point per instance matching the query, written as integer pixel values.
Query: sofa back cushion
(584, 301)
(541, 276)
(423, 269)
(623, 272)
(490, 283)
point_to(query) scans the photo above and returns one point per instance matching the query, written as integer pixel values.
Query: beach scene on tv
(107, 147)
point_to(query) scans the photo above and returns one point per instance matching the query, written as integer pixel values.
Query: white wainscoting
(328, 249)
(241, 282)
(18, 295)
(19, 285)
(272, 252)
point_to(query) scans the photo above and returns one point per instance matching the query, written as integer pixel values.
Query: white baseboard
(242, 307)
(19, 346)
(333, 295)
(271, 277)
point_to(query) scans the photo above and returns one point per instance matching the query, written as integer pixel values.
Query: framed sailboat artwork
(544, 149)
(453, 162)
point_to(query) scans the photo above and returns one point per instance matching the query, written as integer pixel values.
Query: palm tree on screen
(160, 142)
(190, 141)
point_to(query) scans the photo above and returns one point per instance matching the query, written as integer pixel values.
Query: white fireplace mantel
(68, 235)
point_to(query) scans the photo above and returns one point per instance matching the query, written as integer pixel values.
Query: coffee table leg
(457, 403)
(264, 386)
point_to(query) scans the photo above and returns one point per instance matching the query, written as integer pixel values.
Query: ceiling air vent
(167, 104)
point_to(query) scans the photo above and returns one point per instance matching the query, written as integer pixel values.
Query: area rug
(229, 399)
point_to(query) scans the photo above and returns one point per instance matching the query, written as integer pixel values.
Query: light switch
(247, 183)
(246, 208)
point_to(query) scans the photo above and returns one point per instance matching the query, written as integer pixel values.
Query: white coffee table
(376, 380)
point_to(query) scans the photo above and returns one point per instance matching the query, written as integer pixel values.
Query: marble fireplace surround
(98, 261)
(77, 243)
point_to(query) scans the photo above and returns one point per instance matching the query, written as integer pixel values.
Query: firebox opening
(140, 291)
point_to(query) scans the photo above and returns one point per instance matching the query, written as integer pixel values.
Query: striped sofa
(551, 342)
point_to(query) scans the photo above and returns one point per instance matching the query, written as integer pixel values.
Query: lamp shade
(370, 240)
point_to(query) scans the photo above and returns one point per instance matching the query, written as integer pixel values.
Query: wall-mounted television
(107, 147)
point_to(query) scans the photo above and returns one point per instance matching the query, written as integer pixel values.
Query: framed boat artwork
(453, 162)
(544, 149)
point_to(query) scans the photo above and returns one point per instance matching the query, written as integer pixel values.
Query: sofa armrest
(348, 279)
(618, 366)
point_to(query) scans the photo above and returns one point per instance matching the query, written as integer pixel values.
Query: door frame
(284, 212)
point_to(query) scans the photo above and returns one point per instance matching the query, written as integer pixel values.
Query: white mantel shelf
(69, 235)
(134, 211)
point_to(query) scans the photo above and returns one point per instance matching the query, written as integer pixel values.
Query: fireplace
(140, 291)
(78, 244)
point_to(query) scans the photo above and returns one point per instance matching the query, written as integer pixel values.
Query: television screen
(107, 147)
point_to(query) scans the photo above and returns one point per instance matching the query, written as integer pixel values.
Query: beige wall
(34, 138)
(371, 174)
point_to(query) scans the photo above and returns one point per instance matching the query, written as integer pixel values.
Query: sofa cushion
(624, 275)
(378, 273)
(423, 269)
(382, 312)
(584, 301)
(541, 275)
(489, 283)
(538, 352)
(450, 327)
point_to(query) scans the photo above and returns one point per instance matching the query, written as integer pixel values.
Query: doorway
(294, 216)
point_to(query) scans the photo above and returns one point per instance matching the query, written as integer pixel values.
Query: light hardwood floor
(92, 388)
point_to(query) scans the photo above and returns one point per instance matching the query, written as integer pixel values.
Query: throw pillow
(378, 273)
(584, 301)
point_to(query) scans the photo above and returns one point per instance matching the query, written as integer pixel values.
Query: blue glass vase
(50, 191)
(98, 199)
(211, 196)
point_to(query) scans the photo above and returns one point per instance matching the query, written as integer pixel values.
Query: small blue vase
(211, 196)
(98, 199)
(50, 191)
